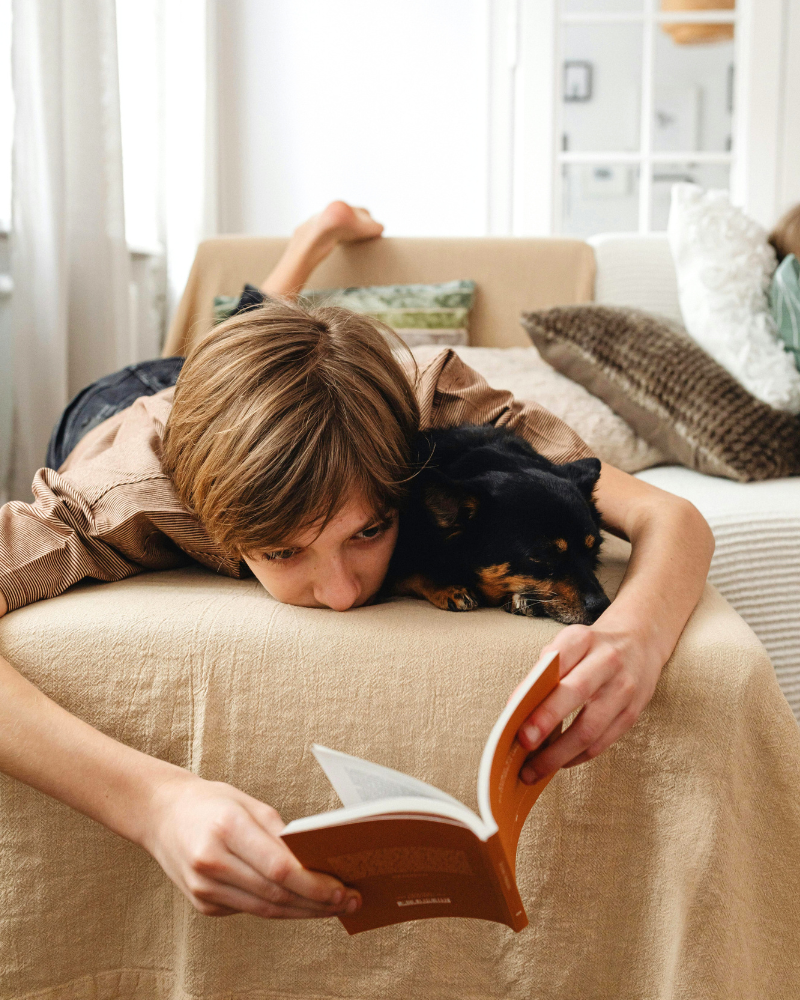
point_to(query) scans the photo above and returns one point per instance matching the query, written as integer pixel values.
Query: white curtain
(70, 264)
(190, 136)
(168, 99)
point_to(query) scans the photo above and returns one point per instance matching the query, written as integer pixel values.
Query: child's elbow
(695, 526)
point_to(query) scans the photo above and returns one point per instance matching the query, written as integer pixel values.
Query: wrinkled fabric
(669, 867)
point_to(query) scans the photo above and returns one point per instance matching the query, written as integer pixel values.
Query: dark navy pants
(105, 397)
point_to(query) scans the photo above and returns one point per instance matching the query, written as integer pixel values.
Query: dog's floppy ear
(449, 503)
(584, 473)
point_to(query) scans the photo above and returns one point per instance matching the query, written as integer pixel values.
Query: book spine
(506, 884)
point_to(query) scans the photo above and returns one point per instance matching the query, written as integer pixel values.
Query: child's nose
(337, 588)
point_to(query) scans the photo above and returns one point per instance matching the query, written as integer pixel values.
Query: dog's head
(527, 529)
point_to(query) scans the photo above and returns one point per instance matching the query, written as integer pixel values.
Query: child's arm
(613, 666)
(218, 845)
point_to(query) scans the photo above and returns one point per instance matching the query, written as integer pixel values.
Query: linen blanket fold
(668, 867)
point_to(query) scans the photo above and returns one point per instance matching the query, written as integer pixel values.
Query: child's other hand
(223, 851)
(611, 676)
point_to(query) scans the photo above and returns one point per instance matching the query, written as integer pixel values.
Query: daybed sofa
(756, 525)
(666, 868)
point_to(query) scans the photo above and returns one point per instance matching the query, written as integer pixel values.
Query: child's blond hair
(785, 237)
(283, 414)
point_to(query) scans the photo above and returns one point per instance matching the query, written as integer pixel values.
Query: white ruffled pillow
(724, 264)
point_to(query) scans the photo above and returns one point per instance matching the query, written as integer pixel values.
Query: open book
(413, 851)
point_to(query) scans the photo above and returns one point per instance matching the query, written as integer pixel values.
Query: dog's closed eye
(450, 505)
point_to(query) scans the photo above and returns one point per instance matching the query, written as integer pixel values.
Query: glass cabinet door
(602, 97)
(645, 100)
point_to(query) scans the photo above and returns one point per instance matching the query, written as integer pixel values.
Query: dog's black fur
(491, 522)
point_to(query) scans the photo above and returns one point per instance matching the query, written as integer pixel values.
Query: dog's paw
(461, 600)
(446, 598)
(524, 604)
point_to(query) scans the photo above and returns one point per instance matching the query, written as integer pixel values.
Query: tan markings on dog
(447, 509)
(568, 592)
(443, 506)
(561, 544)
(497, 583)
(589, 541)
(471, 505)
(446, 598)
(493, 581)
(561, 598)
(565, 603)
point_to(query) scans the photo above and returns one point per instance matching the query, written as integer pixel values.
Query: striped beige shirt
(110, 512)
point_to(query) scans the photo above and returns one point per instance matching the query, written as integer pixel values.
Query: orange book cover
(413, 851)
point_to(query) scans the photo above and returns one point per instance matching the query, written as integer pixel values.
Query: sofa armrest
(636, 271)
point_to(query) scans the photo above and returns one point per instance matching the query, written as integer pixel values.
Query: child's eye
(374, 530)
(280, 555)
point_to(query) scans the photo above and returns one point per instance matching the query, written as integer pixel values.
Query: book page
(356, 780)
(402, 807)
(504, 799)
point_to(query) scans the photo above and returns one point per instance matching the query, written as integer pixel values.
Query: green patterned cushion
(420, 314)
(784, 297)
(223, 307)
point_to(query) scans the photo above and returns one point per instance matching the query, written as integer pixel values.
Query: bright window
(644, 99)
(138, 41)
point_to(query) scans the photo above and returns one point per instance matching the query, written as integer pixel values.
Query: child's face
(343, 567)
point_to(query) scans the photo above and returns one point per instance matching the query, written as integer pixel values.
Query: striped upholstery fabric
(755, 565)
(762, 582)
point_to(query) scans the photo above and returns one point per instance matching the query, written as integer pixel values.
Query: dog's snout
(595, 605)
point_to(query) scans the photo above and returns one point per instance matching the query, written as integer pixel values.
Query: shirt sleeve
(109, 512)
(53, 543)
(449, 393)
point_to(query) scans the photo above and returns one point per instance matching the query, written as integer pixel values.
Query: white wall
(380, 102)
(788, 181)
(766, 180)
(393, 104)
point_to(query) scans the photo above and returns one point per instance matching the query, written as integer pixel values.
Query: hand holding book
(413, 851)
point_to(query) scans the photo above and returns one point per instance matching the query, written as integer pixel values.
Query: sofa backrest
(512, 274)
(637, 271)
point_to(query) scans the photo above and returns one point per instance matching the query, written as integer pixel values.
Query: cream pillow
(724, 265)
(523, 372)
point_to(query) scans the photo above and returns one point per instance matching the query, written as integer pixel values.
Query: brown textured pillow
(669, 390)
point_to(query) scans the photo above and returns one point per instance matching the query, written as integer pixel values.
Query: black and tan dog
(490, 522)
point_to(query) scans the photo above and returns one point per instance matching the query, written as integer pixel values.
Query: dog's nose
(595, 605)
